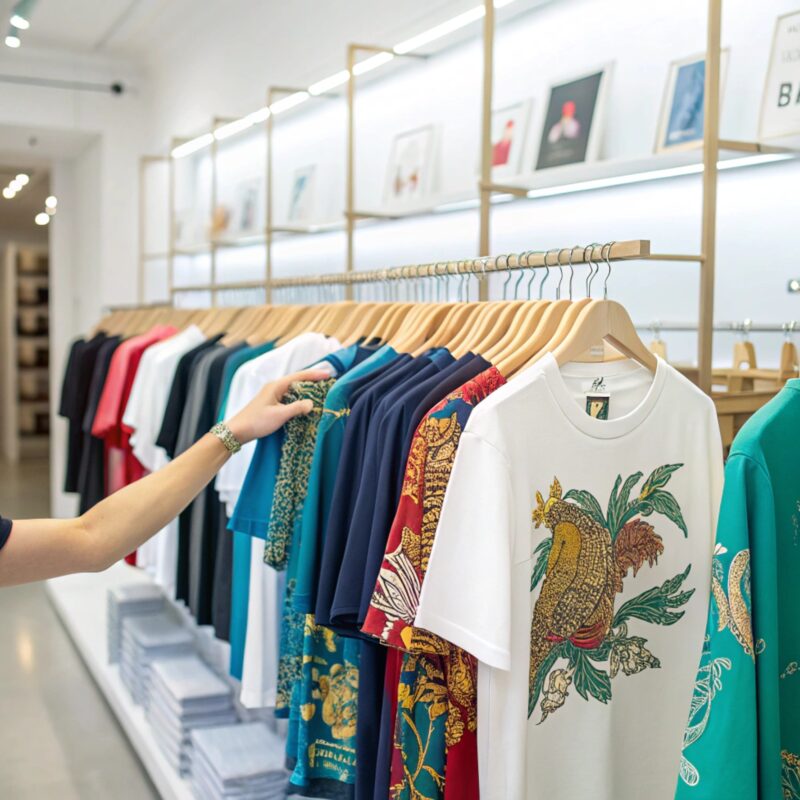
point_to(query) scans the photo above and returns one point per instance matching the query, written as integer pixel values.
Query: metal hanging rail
(744, 327)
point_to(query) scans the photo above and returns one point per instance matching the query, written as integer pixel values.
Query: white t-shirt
(531, 484)
(262, 641)
(144, 413)
(298, 353)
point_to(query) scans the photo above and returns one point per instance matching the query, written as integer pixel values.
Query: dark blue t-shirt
(5, 530)
(348, 478)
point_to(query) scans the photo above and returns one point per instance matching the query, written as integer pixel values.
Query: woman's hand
(265, 413)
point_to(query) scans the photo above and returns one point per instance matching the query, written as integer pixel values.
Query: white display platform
(81, 603)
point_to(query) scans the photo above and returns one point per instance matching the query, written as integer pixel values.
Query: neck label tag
(597, 405)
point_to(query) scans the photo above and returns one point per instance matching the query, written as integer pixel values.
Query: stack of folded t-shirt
(145, 639)
(127, 601)
(186, 694)
(238, 761)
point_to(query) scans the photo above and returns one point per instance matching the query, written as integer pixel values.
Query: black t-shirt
(171, 422)
(5, 530)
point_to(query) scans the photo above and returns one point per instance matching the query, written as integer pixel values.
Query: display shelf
(80, 602)
(246, 240)
(572, 178)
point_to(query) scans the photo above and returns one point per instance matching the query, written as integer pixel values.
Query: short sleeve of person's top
(472, 548)
(5, 530)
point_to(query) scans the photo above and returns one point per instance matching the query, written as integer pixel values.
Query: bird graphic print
(578, 636)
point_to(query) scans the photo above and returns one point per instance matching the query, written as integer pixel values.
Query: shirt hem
(461, 637)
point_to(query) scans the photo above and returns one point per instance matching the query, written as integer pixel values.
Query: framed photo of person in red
(573, 121)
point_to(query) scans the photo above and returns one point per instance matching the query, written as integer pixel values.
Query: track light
(51, 202)
(21, 14)
(22, 179)
(12, 40)
(8, 193)
(42, 218)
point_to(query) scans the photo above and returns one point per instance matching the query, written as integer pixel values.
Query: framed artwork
(247, 219)
(573, 121)
(410, 165)
(780, 103)
(682, 111)
(301, 199)
(509, 132)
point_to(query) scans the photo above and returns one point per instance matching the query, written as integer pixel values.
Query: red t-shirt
(122, 467)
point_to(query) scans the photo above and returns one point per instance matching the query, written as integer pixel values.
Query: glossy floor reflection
(58, 738)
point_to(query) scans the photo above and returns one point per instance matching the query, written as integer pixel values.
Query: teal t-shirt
(321, 741)
(743, 736)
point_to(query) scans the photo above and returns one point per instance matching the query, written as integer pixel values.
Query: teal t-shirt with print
(743, 736)
(321, 742)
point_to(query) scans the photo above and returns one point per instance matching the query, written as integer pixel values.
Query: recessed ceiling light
(22, 179)
(15, 185)
(51, 201)
(12, 40)
(20, 22)
(9, 193)
(42, 218)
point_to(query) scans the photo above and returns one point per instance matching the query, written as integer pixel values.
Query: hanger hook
(561, 272)
(528, 254)
(521, 275)
(504, 266)
(587, 259)
(571, 268)
(546, 273)
(606, 258)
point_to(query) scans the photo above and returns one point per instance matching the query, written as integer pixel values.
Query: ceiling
(109, 26)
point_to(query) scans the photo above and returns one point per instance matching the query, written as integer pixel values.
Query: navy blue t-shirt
(351, 462)
(382, 481)
(5, 530)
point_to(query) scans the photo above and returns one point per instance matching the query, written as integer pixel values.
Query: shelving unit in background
(706, 162)
(25, 347)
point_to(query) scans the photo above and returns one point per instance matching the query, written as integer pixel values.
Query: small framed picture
(247, 218)
(681, 124)
(408, 175)
(573, 120)
(509, 132)
(780, 104)
(301, 199)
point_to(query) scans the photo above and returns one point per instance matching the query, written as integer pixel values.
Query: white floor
(58, 738)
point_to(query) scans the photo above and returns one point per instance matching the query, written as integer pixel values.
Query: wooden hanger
(604, 321)
(789, 364)
(482, 328)
(744, 355)
(530, 333)
(391, 322)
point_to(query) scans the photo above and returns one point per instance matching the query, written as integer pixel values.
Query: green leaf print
(653, 604)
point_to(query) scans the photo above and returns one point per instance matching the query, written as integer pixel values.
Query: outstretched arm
(46, 548)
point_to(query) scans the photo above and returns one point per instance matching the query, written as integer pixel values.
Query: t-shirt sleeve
(5, 531)
(466, 595)
(724, 711)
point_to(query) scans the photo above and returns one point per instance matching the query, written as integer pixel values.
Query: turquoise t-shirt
(743, 736)
(240, 578)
